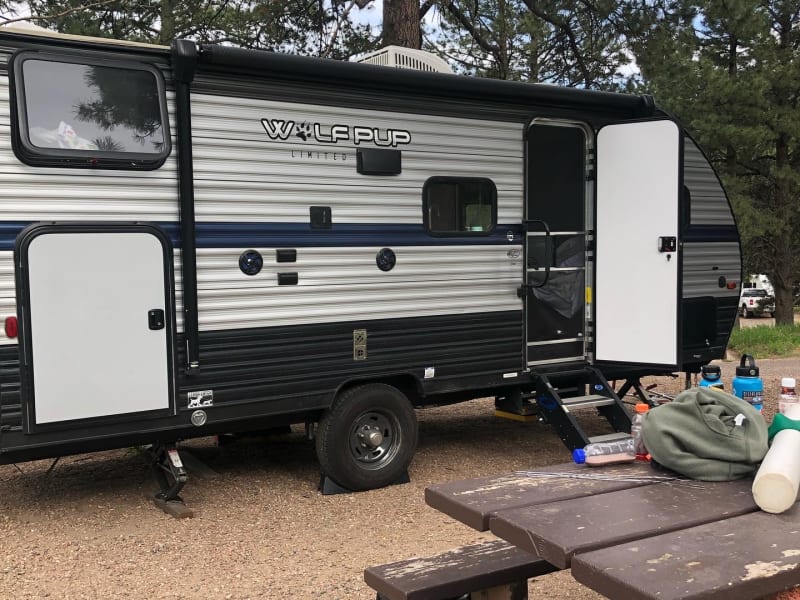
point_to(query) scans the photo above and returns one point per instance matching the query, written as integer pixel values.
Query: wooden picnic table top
(475, 501)
(628, 537)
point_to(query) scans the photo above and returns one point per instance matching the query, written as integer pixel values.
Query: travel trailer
(205, 239)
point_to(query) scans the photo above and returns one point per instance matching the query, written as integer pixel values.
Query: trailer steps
(589, 401)
(609, 437)
(559, 396)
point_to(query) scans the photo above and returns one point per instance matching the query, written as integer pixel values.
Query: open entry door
(637, 246)
(555, 242)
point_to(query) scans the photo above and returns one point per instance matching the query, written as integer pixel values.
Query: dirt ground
(86, 527)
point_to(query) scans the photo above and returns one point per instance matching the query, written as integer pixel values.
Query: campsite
(483, 300)
(88, 528)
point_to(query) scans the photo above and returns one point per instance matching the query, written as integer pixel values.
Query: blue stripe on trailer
(9, 230)
(236, 235)
(301, 235)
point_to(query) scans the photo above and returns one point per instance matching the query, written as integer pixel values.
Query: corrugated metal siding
(284, 188)
(262, 364)
(30, 194)
(11, 405)
(709, 204)
(48, 194)
(241, 173)
(479, 265)
(8, 301)
(704, 263)
(242, 176)
(259, 372)
(8, 308)
(342, 284)
(335, 285)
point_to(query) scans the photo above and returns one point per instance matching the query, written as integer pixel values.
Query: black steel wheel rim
(374, 439)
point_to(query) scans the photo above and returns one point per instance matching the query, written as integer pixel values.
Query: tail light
(12, 327)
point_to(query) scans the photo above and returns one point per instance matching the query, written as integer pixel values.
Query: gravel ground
(87, 529)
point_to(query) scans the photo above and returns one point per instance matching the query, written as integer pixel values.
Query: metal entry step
(609, 437)
(559, 397)
(593, 400)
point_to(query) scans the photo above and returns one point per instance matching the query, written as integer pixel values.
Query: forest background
(729, 70)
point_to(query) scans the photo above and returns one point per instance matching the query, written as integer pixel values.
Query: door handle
(155, 319)
(549, 258)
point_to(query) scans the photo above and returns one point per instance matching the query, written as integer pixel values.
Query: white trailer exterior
(199, 240)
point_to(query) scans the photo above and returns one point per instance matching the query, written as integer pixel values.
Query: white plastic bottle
(777, 481)
(788, 397)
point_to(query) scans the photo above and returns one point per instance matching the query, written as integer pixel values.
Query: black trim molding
(184, 63)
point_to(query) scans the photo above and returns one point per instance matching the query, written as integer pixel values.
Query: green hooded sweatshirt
(706, 434)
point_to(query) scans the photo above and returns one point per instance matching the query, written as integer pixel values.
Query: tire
(347, 456)
(746, 313)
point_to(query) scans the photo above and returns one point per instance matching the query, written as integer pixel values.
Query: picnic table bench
(629, 537)
(494, 566)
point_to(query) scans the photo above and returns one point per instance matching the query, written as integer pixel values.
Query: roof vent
(405, 58)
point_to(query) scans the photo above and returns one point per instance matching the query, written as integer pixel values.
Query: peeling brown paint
(762, 569)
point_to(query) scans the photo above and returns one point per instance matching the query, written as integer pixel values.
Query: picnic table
(629, 536)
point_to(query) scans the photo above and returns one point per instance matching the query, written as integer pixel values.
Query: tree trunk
(785, 194)
(503, 59)
(401, 23)
(730, 152)
(167, 33)
(784, 309)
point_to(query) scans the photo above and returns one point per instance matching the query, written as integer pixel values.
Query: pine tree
(731, 72)
(308, 27)
(553, 41)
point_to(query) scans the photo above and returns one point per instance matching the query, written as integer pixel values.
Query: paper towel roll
(778, 478)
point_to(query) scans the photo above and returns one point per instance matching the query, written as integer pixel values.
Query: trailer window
(459, 206)
(78, 113)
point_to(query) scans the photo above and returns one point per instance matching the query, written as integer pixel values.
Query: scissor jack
(171, 476)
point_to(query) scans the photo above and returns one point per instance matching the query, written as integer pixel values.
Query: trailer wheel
(367, 439)
(746, 313)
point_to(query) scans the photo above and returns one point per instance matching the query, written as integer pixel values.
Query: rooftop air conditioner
(405, 58)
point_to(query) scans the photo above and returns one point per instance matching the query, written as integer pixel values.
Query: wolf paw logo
(303, 130)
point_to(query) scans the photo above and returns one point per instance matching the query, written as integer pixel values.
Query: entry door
(97, 328)
(638, 250)
(556, 243)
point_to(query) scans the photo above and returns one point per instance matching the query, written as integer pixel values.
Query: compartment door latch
(155, 319)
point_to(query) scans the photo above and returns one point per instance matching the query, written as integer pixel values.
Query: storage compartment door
(97, 337)
(637, 246)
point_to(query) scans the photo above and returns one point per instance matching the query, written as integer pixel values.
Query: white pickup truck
(756, 302)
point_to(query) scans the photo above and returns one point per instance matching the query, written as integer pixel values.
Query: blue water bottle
(747, 385)
(711, 377)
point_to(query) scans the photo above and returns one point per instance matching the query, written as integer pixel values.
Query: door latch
(155, 319)
(667, 244)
